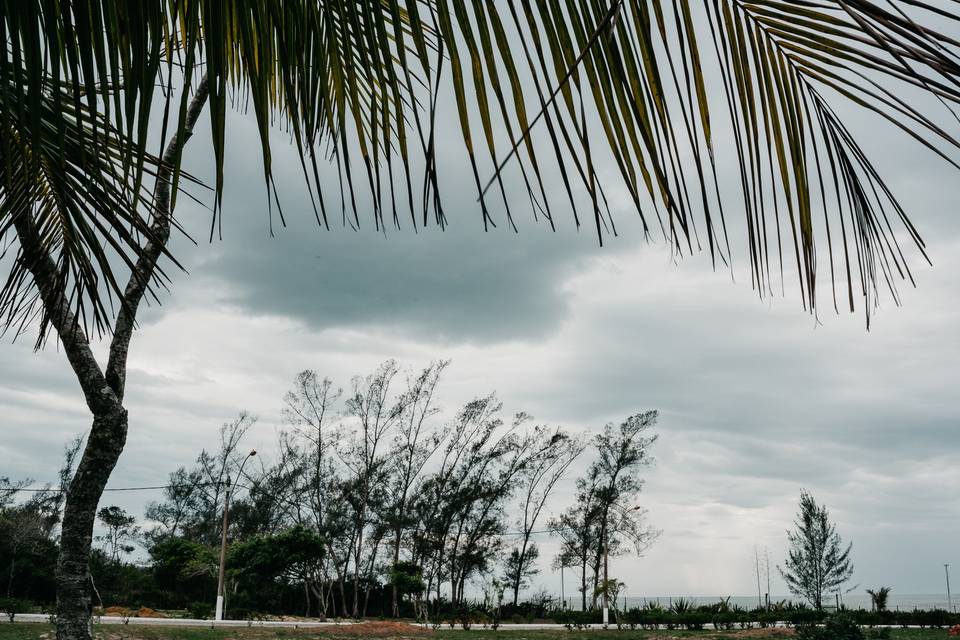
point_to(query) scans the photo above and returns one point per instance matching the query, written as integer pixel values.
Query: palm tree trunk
(106, 440)
(103, 389)
(74, 593)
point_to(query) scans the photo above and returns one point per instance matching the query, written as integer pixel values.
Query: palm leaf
(71, 191)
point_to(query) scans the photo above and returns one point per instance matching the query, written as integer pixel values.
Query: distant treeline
(373, 502)
(723, 616)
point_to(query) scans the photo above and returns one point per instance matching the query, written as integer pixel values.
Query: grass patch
(391, 631)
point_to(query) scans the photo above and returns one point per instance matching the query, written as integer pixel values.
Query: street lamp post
(223, 538)
(563, 597)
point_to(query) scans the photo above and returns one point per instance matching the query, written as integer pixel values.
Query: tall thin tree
(817, 562)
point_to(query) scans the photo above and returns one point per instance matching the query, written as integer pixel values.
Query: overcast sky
(757, 399)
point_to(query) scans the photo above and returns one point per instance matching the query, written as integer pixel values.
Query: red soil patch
(123, 612)
(377, 630)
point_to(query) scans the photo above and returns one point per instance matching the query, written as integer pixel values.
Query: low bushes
(724, 617)
(12, 606)
(577, 619)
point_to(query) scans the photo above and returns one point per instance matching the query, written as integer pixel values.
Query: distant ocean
(906, 602)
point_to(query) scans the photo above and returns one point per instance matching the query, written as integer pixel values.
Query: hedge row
(699, 619)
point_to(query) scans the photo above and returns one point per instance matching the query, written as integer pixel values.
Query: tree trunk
(316, 588)
(306, 598)
(394, 596)
(13, 567)
(583, 585)
(103, 389)
(74, 592)
(356, 565)
(343, 599)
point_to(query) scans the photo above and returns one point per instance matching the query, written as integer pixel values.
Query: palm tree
(673, 93)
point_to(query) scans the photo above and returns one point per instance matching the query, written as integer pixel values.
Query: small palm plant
(681, 606)
(879, 598)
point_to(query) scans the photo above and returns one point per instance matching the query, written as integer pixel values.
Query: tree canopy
(817, 563)
(666, 91)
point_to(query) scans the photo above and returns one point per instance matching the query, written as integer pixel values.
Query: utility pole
(756, 566)
(946, 570)
(766, 568)
(223, 552)
(223, 538)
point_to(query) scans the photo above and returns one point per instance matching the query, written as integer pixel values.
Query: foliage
(121, 530)
(27, 551)
(200, 610)
(777, 75)
(555, 451)
(127, 584)
(836, 627)
(12, 606)
(604, 518)
(30, 631)
(372, 490)
(407, 577)
(817, 562)
(681, 606)
(184, 569)
(294, 554)
(28, 532)
(878, 598)
(355, 86)
(193, 505)
(520, 568)
(289, 552)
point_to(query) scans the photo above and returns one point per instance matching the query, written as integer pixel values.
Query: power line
(209, 484)
(150, 488)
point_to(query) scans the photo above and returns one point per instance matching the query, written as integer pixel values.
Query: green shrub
(725, 620)
(837, 627)
(12, 606)
(239, 613)
(804, 617)
(200, 610)
(576, 619)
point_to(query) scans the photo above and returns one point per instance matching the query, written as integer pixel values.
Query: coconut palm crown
(670, 92)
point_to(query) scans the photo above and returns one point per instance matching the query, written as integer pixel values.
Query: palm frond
(80, 206)
(673, 94)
